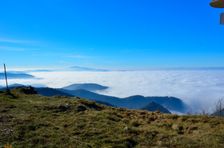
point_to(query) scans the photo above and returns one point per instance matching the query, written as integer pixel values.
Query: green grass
(37, 121)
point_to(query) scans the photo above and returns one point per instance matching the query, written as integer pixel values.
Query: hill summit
(32, 120)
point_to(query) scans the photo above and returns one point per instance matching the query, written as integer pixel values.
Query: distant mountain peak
(80, 68)
(152, 106)
(16, 75)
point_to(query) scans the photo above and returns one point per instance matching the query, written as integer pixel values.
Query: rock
(178, 128)
(28, 90)
(81, 108)
(126, 128)
(92, 105)
(192, 129)
(63, 108)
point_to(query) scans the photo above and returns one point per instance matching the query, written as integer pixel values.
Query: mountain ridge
(80, 68)
(16, 75)
(132, 102)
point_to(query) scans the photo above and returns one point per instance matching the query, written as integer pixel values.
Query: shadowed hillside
(30, 120)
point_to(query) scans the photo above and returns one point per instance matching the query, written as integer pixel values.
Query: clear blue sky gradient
(120, 34)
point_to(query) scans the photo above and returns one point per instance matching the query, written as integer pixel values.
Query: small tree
(219, 107)
(204, 112)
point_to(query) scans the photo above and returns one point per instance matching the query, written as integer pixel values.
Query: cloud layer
(199, 88)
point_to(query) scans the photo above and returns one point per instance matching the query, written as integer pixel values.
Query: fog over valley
(198, 88)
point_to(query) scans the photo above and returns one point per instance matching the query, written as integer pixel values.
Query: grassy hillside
(37, 121)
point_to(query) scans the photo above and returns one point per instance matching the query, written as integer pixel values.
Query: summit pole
(6, 79)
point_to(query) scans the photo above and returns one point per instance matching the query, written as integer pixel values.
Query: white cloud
(9, 44)
(201, 89)
(15, 41)
(7, 48)
(77, 56)
(17, 49)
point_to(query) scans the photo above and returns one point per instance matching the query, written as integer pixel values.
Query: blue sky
(116, 34)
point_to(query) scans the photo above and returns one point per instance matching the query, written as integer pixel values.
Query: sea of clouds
(199, 88)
